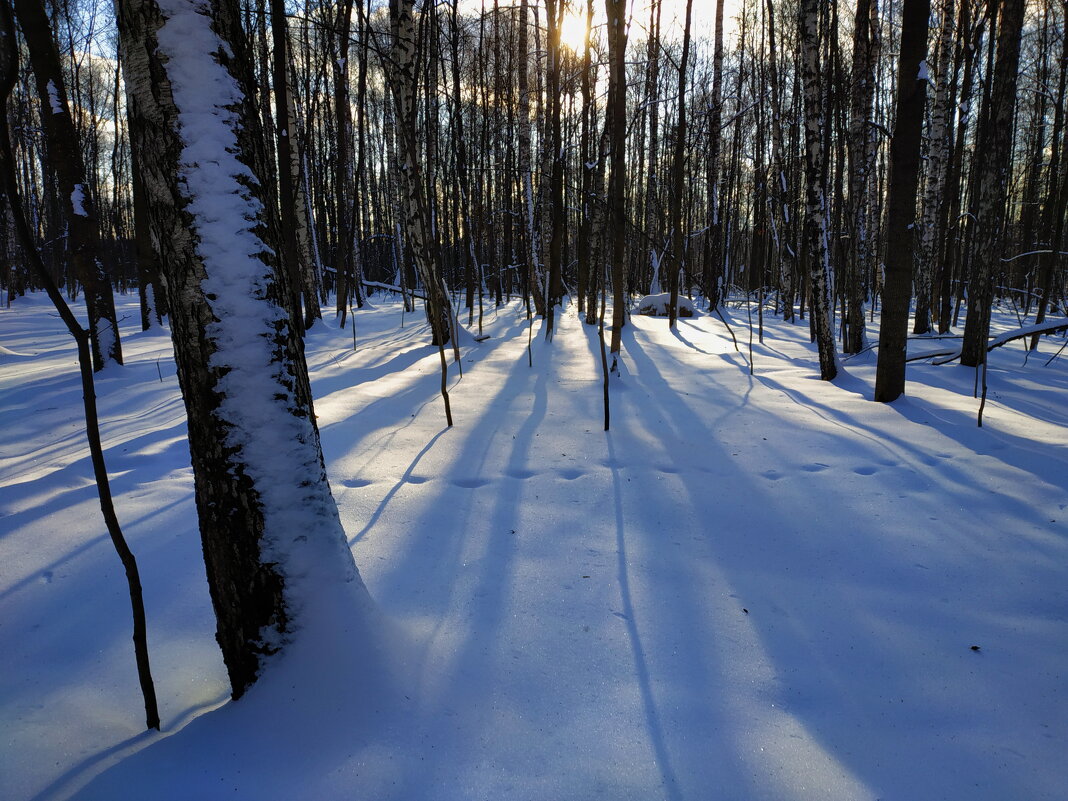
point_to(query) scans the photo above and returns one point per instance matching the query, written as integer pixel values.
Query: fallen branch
(392, 288)
(947, 356)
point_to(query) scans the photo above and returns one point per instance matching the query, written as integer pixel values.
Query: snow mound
(657, 306)
(10, 354)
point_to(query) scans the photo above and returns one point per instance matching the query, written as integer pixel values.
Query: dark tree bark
(994, 153)
(1056, 207)
(862, 152)
(901, 203)
(287, 190)
(617, 126)
(554, 13)
(677, 250)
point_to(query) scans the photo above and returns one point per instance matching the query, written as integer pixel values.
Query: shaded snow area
(753, 587)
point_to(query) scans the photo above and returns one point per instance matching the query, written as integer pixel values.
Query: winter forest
(533, 399)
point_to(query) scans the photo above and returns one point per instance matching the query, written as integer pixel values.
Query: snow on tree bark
(270, 528)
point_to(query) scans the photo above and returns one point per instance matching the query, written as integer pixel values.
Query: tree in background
(65, 158)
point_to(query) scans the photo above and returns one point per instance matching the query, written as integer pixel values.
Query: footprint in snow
(470, 483)
(355, 483)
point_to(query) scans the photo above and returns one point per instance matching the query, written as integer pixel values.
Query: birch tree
(815, 193)
(862, 147)
(273, 543)
(937, 168)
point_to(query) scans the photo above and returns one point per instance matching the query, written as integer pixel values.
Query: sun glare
(573, 31)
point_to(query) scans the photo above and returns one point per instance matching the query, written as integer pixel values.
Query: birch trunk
(862, 152)
(273, 541)
(937, 167)
(815, 179)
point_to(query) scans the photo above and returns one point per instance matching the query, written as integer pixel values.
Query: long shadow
(955, 425)
(654, 726)
(405, 478)
(72, 778)
(460, 683)
(791, 575)
(328, 381)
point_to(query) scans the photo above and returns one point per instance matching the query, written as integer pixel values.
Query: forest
(753, 155)
(479, 398)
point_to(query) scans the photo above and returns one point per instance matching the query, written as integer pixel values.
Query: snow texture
(754, 586)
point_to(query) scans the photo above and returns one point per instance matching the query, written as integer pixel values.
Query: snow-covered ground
(753, 587)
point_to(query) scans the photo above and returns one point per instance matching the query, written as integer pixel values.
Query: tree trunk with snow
(272, 538)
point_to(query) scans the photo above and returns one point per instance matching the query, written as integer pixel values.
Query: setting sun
(573, 31)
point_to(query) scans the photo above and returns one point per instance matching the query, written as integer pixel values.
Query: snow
(658, 305)
(767, 585)
(54, 99)
(77, 200)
